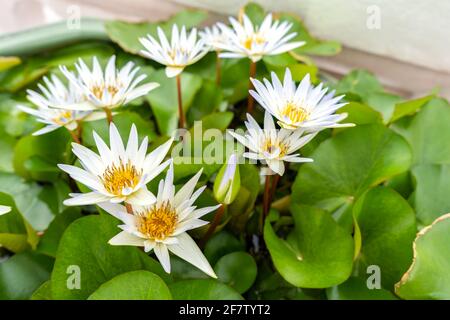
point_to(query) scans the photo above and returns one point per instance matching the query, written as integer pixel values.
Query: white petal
(81, 199)
(46, 129)
(276, 166)
(141, 197)
(126, 239)
(118, 211)
(162, 254)
(4, 209)
(173, 71)
(186, 191)
(188, 250)
(153, 159)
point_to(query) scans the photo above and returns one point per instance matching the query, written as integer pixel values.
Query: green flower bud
(228, 181)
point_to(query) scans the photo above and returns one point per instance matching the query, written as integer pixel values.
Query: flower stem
(250, 100)
(129, 208)
(75, 136)
(180, 103)
(266, 200)
(218, 69)
(274, 187)
(212, 227)
(109, 116)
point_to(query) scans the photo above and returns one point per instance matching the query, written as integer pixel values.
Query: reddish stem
(180, 103)
(129, 208)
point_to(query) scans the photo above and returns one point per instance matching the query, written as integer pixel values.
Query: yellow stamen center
(253, 39)
(118, 177)
(295, 113)
(158, 221)
(270, 147)
(98, 91)
(63, 118)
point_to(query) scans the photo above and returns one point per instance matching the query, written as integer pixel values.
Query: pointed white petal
(187, 249)
(126, 239)
(173, 71)
(4, 210)
(141, 197)
(81, 199)
(162, 254)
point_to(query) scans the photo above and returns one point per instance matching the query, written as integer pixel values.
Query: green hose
(49, 36)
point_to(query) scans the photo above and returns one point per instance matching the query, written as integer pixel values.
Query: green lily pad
(28, 199)
(43, 292)
(22, 274)
(359, 113)
(127, 35)
(237, 269)
(84, 251)
(410, 107)
(427, 132)
(134, 285)
(428, 276)
(348, 164)
(202, 289)
(221, 244)
(317, 254)
(360, 83)
(430, 197)
(356, 289)
(384, 103)
(387, 227)
(50, 240)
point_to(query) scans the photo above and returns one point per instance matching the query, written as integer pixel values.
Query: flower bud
(228, 181)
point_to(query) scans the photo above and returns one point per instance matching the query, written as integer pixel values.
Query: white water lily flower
(272, 146)
(305, 106)
(254, 42)
(213, 37)
(163, 226)
(117, 174)
(54, 94)
(110, 89)
(182, 50)
(4, 209)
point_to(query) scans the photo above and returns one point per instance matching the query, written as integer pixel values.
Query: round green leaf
(84, 251)
(384, 103)
(359, 113)
(238, 270)
(428, 133)
(50, 240)
(202, 289)
(22, 274)
(360, 83)
(127, 34)
(317, 254)
(221, 244)
(410, 107)
(346, 165)
(37, 156)
(430, 197)
(134, 285)
(28, 197)
(428, 276)
(387, 228)
(43, 292)
(356, 289)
